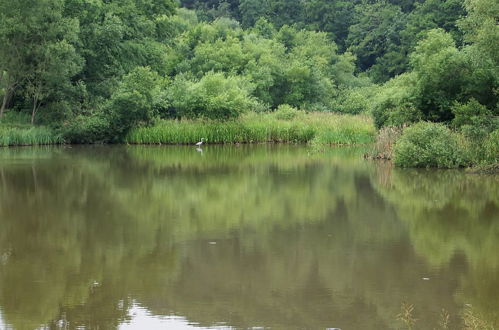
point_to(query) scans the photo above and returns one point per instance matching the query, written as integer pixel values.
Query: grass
(16, 130)
(17, 136)
(316, 128)
(470, 319)
(385, 141)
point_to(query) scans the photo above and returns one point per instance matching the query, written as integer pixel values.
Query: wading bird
(200, 142)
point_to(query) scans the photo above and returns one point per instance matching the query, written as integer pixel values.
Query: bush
(213, 97)
(286, 112)
(428, 144)
(468, 113)
(87, 129)
(353, 101)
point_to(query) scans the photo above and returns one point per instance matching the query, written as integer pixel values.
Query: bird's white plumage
(200, 142)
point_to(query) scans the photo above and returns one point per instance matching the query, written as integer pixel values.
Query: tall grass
(25, 136)
(318, 128)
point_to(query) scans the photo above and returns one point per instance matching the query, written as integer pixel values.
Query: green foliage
(374, 32)
(87, 129)
(286, 112)
(214, 96)
(446, 84)
(394, 104)
(354, 100)
(428, 144)
(134, 101)
(13, 136)
(469, 113)
(475, 121)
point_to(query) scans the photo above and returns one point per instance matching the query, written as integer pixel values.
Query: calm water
(239, 237)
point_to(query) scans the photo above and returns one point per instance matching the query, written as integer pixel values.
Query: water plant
(23, 136)
(316, 128)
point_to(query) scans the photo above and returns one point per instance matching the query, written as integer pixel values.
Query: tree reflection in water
(302, 240)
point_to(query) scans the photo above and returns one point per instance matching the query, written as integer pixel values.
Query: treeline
(379, 33)
(95, 69)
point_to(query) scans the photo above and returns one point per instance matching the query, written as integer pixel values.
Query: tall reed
(321, 128)
(19, 136)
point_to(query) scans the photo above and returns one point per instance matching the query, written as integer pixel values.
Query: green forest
(421, 75)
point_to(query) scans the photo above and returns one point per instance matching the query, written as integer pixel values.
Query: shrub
(428, 144)
(468, 113)
(353, 101)
(213, 97)
(87, 129)
(286, 112)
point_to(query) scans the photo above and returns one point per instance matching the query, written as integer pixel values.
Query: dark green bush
(428, 144)
(87, 129)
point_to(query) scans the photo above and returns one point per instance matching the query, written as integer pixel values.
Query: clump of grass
(17, 136)
(444, 319)
(406, 316)
(473, 321)
(317, 128)
(385, 141)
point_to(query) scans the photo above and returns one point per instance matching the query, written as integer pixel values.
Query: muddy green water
(239, 237)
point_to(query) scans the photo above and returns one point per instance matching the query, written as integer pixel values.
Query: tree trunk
(35, 108)
(4, 102)
(9, 89)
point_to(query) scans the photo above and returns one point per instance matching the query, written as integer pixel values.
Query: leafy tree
(334, 17)
(252, 10)
(135, 101)
(374, 34)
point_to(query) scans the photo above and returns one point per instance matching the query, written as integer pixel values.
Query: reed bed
(317, 128)
(27, 136)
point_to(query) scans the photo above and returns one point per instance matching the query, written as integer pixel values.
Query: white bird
(200, 143)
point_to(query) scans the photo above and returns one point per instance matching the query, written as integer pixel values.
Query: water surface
(269, 236)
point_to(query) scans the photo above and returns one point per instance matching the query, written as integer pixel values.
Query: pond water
(265, 236)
